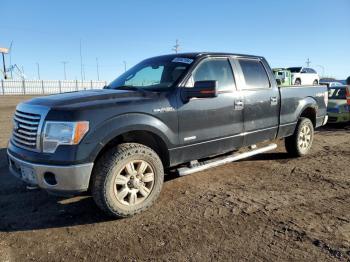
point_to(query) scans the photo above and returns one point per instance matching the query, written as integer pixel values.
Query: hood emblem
(164, 109)
(15, 125)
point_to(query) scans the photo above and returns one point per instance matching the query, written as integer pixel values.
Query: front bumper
(339, 117)
(63, 180)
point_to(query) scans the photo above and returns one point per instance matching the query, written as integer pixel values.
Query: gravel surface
(266, 208)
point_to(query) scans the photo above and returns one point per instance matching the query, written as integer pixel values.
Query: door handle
(273, 100)
(239, 105)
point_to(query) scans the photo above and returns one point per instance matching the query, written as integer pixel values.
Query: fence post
(60, 86)
(42, 86)
(2, 87)
(23, 87)
(76, 85)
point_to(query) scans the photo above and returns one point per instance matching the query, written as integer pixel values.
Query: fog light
(50, 178)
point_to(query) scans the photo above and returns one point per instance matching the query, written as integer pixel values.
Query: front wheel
(299, 144)
(127, 179)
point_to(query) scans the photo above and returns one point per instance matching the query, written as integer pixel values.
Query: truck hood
(88, 97)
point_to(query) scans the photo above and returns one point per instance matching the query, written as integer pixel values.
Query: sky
(119, 33)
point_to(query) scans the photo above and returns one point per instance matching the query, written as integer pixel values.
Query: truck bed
(293, 99)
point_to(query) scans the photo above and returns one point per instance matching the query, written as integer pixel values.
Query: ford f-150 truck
(185, 112)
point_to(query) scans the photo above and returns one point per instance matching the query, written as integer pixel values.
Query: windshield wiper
(133, 88)
(127, 88)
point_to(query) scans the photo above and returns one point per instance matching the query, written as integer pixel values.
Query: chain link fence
(44, 87)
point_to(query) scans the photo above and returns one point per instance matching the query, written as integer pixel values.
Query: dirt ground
(267, 208)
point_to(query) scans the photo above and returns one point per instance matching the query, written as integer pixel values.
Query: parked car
(304, 76)
(175, 111)
(338, 109)
(283, 76)
(330, 82)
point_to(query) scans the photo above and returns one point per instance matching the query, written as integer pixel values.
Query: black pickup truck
(185, 112)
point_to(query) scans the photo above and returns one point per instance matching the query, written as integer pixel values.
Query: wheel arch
(133, 128)
(144, 137)
(309, 111)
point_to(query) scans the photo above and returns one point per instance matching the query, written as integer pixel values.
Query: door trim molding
(222, 138)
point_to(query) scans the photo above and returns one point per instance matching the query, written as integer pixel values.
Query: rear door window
(254, 74)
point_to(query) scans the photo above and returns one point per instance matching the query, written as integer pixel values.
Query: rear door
(261, 101)
(208, 126)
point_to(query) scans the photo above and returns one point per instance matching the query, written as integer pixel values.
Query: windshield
(294, 69)
(154, 74)
(337, 93)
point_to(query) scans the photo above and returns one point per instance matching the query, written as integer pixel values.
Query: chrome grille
(25, 131)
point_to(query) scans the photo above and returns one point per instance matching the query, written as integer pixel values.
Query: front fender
(113, 127)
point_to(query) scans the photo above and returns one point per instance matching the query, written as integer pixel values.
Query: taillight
(326, 98)
(348, 94)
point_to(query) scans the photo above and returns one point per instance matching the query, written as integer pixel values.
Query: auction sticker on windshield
(182, 60)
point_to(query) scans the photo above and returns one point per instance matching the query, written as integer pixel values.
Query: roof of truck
(194, 55)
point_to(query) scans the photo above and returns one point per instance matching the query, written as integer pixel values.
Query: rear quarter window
(254, 74)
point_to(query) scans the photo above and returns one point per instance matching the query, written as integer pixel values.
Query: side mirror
(202, 89)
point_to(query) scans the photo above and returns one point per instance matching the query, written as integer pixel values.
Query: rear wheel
(297, 82)
(127, 179)
(315, 83)
(299, 144)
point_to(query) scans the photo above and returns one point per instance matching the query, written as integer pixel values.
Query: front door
(210, 126)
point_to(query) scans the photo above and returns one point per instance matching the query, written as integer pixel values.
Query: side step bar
(183, 171)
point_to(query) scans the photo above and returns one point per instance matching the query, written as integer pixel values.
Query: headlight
(63, 133)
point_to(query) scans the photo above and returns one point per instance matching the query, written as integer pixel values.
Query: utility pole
(23, 76)
(97, 70)
(308, 62)
(10, 53)
(124, 66)
(176, 47)
(323, 69)
(83, 72)
(3, 62)
(64, 69)
(3, 51)
(81, 64)
(38, 70)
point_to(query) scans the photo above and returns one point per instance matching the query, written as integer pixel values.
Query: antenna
(176, 47)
